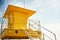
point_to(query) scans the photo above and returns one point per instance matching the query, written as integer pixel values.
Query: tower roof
(12, 8)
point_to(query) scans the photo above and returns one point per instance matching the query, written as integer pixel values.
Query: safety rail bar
(46, 36)
(50, 32)
(43, 28)
(28, 34)
(42, 33)
(35, 28)
(2, 25)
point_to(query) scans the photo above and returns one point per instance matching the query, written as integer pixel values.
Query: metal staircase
(33, 27)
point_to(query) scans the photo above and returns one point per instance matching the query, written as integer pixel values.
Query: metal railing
(34, 28)
(43, 28)
(2, 25)
(28, 34)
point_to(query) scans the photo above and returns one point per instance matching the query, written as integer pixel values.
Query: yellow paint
(17, 20)
(21, 34)
(20, 20)
(17, 17)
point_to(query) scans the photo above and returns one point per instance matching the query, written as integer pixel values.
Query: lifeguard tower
(17, 25)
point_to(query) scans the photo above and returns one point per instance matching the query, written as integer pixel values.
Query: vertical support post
(55, 37)
(43, 37)
(1, 25)
(29, 23)
(39, 26)
(24, 3)
(29, 29)
(39, 29)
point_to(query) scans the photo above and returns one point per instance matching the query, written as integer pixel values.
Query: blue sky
(47, 11)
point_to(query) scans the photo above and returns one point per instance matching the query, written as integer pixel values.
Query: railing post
(43, 37)
(39, 26)
(1, 26)
(55, 37)
(50, 32)
(29, 23)
(43, 28)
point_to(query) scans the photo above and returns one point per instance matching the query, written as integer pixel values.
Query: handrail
(2, 25)
(34, 27)
(44, 28)
(47, 36)
(27, 34)
(42, 32)
(50, 32)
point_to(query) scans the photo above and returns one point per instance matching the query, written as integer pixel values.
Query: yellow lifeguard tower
(17, 24)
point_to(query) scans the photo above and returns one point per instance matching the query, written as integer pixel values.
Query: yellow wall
(10, 20)
(17, 17)
(17, 20)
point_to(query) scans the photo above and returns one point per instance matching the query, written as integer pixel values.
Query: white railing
(3, 25)
(39, 26)
(39, 29)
